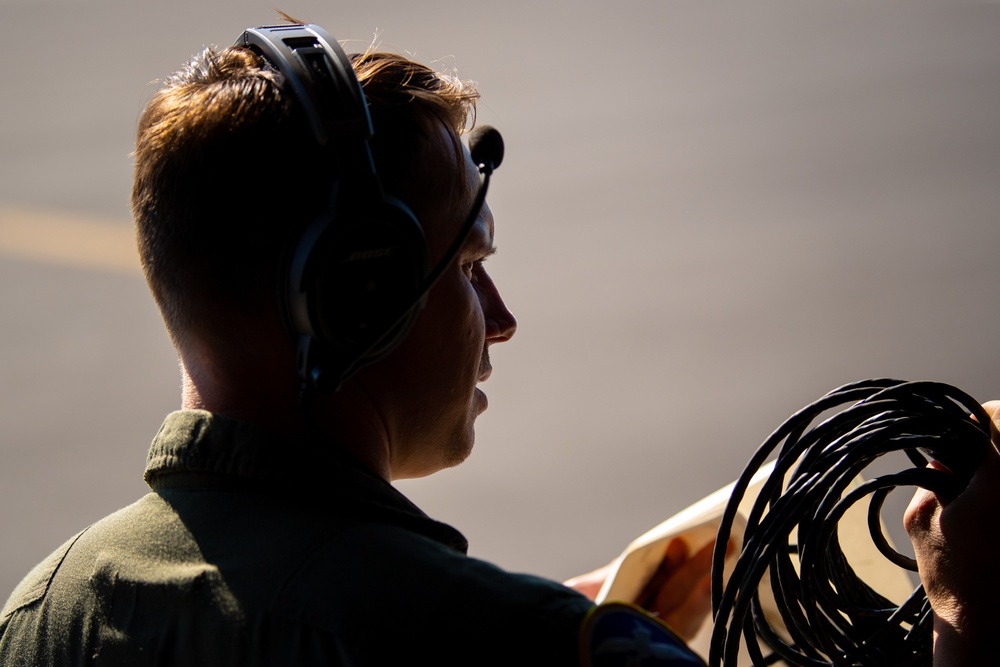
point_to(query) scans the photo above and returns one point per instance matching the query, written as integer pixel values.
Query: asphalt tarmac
(709, 214)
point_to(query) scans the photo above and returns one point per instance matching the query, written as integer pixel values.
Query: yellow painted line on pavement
(77, 241)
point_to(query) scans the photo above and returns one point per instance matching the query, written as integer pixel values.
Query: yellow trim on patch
(639, 653)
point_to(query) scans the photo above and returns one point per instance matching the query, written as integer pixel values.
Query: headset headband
(321, 77)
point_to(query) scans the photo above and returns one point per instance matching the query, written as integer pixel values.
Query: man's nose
(500, 322)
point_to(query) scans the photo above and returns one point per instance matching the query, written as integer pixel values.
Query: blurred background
(709, 215)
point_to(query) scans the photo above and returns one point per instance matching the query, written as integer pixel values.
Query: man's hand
(957, 544)
(590, 584)
(679, 592)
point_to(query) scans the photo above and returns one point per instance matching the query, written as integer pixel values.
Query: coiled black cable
(831, 616)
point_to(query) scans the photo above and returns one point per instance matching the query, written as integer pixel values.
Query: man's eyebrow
(480, 253)
(479, 243)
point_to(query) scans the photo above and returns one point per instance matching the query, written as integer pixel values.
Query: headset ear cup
(365, 277)
(352, 285)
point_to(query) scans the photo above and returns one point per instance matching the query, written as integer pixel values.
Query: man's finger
(680, 584)
(673, 557)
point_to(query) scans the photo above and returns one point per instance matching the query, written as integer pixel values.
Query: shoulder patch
(617, 634)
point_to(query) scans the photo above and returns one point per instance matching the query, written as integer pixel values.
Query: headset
(358, 275)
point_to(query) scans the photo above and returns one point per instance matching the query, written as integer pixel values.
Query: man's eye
(470, 268)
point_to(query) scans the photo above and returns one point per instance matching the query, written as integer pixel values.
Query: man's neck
(345, 420)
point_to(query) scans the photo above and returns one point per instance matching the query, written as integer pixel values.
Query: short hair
(227, 174)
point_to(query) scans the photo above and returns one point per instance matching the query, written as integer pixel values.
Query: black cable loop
(831, 616)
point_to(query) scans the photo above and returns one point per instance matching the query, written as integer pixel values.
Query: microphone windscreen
(486, 146)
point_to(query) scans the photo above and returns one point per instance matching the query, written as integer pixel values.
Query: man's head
(227, 176)
(216, 215)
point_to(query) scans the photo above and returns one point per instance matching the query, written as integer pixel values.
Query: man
(272, 535)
